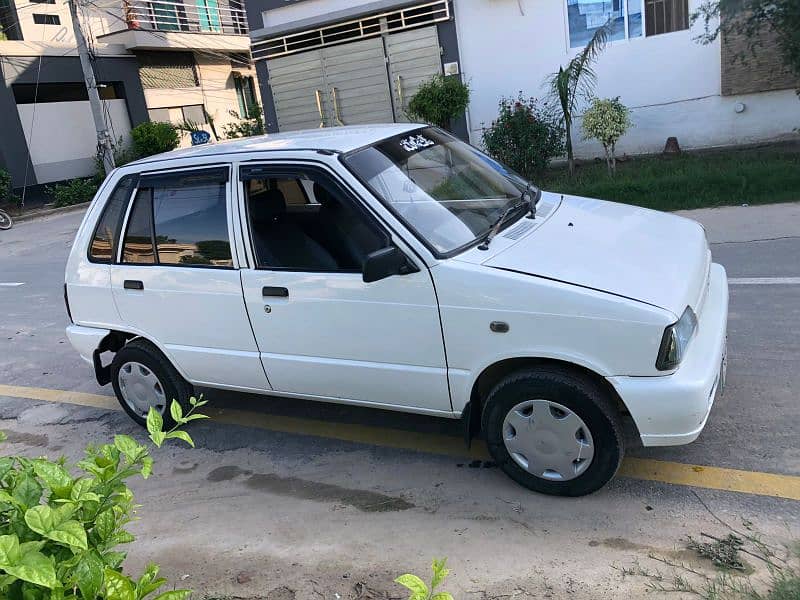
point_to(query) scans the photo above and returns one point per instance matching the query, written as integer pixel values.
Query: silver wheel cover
(141, 389)
(548, 440)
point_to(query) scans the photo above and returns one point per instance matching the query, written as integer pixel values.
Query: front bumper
(672, 410)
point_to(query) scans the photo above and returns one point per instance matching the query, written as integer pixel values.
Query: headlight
(676, 340)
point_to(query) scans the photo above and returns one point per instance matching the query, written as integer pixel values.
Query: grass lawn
(691, 180)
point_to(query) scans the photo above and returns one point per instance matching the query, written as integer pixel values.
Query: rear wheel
(553, 431)
(5, 220)
(143, 378)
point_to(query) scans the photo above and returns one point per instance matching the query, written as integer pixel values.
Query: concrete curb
(46, 212)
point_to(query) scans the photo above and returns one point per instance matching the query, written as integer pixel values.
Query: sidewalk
(728, 224)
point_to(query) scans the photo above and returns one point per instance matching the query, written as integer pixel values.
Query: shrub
(524, 136)
(440, 100)
(419, 590)
(154, 138)
(59, 534)
(607, 120)
(252, 125)
(7, 195)
(74, 191)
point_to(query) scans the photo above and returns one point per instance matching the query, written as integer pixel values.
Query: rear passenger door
(176, 281)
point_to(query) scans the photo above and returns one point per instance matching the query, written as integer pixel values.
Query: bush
(148, 139)
(607, 120)
(440, 100)
(7, 195)
(59, 534)
(74, 191)
(524, 137)
(252, 125)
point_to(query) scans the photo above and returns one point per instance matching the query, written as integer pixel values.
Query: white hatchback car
(395, 266)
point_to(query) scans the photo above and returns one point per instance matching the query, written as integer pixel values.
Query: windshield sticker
(415, 143)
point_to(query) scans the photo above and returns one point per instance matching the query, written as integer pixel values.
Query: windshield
(449, 193)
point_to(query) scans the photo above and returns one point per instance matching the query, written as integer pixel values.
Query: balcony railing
(196, 16)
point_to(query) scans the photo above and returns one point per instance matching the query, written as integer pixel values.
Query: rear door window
(186, 216)
(106, 235)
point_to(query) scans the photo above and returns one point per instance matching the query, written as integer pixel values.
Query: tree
(570, 84)
(752, 18)
(606, 121)
(246, 125)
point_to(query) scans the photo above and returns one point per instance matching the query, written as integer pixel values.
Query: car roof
(336, 139)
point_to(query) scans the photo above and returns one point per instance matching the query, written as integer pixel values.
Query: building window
(191, 114)
(208, 12)
(664, 16)
(585, 17)
(167, 70)
(42, 1)
(46, 19)
(30, 93)
(245, 94)
(9, 27)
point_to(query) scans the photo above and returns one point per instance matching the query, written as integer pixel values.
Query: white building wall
(61, 137)
(670, 81)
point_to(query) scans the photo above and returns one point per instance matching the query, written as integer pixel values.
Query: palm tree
(576, 81)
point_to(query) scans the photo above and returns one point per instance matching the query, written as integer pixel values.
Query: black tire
(5, 220)
(573, 391)
(174, 386)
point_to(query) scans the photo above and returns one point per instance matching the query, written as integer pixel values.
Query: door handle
(318, 96)
(335, 99)
(133, 284)
(280, 292)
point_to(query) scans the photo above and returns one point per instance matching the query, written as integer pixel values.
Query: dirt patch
(185, 468)
(282, 593)
(226, 473)
(27, 439)
(295, 487)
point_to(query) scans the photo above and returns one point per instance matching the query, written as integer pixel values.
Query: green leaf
(439, 572)
(118, 586)
(181, 435)
(9, 550)
(442, 596)
(176, 411)
(155, 423)
(174, 595)
(89, 574)
(158, 437)
(35, 568)
(149, 582)
(4, 437)
(414, 584)
(147, 466)
(6, 464)
(54, 475)
(105, 524)
(196, 416)
(53, 524)
(8, 498)
(121, 537)
(128, 446)
(27, 490)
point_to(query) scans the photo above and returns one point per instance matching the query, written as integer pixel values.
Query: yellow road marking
(716, 478)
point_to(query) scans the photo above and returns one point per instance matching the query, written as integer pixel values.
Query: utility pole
(103, 139)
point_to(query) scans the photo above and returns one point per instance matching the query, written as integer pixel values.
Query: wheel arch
(473, 415)
(114, 341)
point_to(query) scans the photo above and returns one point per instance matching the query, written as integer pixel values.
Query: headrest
(323, 196)
(267, 206)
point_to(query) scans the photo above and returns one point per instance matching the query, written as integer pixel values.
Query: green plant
(150, 138)
(7, 195)
(420, 590)
(74, 191)
(570, 84)
(607, 120)
(440, 100)
(524, 137)
(248, 126)
(60, 533)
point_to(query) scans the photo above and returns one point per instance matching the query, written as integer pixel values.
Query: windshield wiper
(521, 202)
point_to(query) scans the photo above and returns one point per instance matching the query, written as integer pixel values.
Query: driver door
(322, 331)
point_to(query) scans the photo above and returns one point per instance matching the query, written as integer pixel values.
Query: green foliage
(248, 126)
(524, 137)
(440, 100)
(7, 196)
(753, 18)
(419, 590)
(574, 83)
(60, 532)
(691, 180)
(607, 120)
(150, 138)
(74, 191)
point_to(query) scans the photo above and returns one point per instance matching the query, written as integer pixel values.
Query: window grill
(350, 31)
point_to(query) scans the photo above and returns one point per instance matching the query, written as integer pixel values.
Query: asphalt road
(251, 511)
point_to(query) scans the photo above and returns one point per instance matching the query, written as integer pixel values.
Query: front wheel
(5, 220)
(553, 431)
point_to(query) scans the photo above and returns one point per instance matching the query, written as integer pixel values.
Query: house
(326, 62)
(158, 60)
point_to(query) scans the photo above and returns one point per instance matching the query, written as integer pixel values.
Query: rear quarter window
(102, 248)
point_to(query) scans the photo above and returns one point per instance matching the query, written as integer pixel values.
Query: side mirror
(383, 263)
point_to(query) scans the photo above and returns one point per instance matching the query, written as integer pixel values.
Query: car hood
(645, 255)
